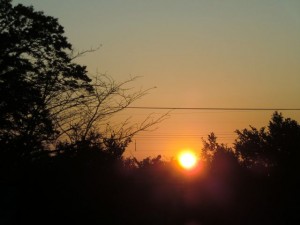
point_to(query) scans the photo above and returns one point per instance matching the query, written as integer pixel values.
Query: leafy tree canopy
(48, 102)
(35, 67)
(275, 148)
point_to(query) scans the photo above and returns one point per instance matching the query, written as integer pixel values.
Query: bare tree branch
(79, 114)
(81, 53)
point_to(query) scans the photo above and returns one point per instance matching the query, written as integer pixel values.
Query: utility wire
(214, 108)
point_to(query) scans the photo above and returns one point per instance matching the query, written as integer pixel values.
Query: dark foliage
(87, 180)
(92, 185)
(35, 66)
(272, 155)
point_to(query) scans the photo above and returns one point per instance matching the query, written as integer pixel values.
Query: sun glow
(187, 159)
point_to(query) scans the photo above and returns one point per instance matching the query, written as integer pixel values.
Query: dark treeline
(61, 160)
(230, 186)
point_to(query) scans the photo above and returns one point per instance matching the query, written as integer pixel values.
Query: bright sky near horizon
(198, 53)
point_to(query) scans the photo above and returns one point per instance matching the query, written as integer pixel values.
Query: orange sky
(206, 53)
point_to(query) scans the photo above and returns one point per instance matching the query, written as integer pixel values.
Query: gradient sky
(198, 53)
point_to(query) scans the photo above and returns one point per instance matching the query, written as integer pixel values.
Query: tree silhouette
(48, 102)
(271, 150)
(272, 155)
(211, 148)
(35, 67)
(88, 183)
(90, 118)
(260, 172)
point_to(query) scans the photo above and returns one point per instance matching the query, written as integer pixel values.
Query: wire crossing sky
(217, 109)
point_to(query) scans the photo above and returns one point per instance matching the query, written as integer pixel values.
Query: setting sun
(187, 159)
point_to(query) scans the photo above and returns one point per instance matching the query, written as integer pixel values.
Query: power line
(214, 108)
